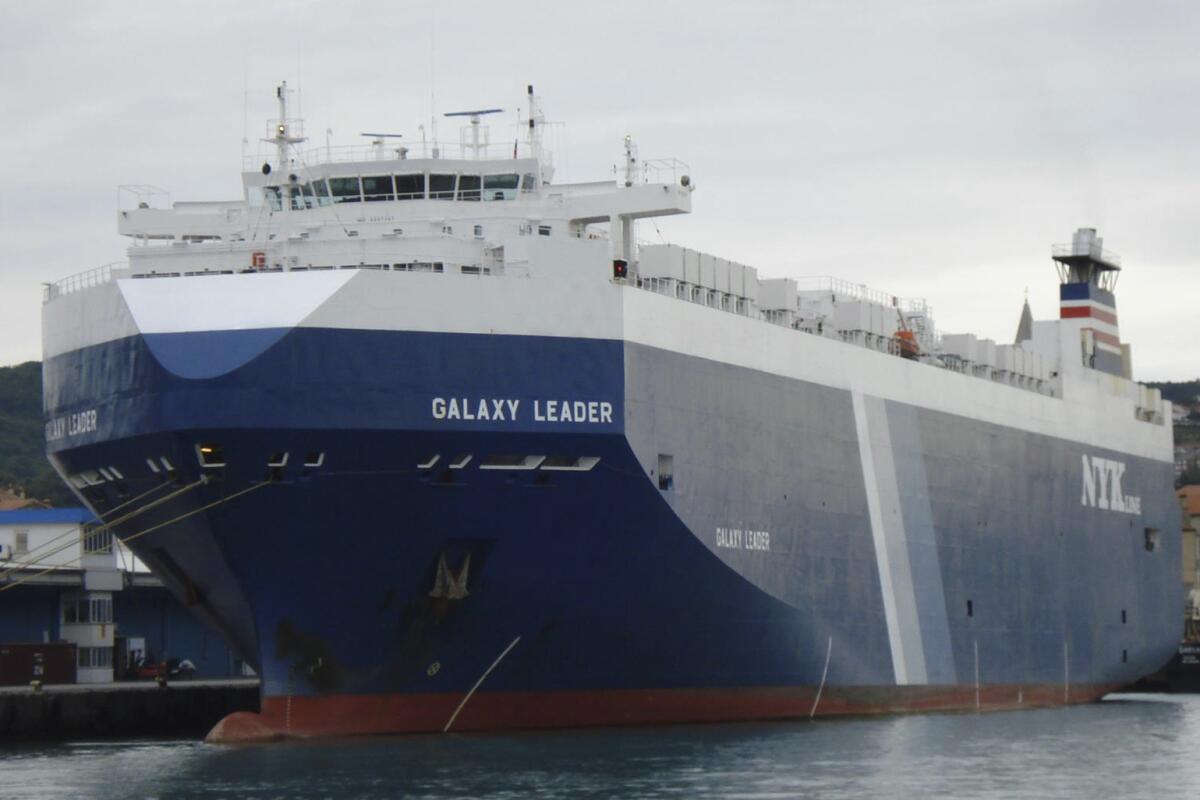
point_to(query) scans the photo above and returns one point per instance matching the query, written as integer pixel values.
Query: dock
(186, 708)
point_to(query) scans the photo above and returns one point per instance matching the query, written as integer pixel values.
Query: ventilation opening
(569, 464)
(172, 473)
(970, 608)
(118, 479)
(1153, 539)
(275, 466)
(211, 456)
(666, 472)
(1124, 656)
(512, 462)
(1122, 616)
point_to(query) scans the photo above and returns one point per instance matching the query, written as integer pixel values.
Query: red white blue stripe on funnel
(1096, 306)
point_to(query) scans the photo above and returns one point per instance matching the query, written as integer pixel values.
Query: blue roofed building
(65, 578)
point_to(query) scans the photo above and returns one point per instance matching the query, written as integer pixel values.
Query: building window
(95, 657)
(96, 540)
(543, 230)
(21, 541)
(666, 471)
(82, 609)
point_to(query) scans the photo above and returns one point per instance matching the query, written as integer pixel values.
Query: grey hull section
(919, 547)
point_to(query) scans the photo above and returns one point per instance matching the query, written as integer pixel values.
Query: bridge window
(345, 190)
(528, 183)
(377, 187)
(273, 197)
(500, 187)
(441, 187)
(304, 196)
(321, 192)
(296, 193)
(410, 187)
(468, 187)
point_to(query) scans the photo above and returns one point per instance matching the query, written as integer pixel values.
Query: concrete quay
(127, 710)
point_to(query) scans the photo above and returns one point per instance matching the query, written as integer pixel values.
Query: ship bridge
(474, 191)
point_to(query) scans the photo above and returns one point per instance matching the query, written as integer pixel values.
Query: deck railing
(83, 280)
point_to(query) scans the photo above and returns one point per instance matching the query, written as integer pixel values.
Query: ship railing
(664, 170)
(1092, 250)
(96, 276)
(846, 290)
(399, 150)
(916, 312)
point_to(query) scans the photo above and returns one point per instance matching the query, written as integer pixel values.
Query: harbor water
(1128, 746)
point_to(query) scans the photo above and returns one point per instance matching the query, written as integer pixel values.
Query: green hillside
(22, 446)
(1178, 392)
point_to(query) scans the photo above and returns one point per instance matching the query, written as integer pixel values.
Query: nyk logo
(1102, 486)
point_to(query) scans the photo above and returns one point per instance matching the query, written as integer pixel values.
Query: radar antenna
(377, 143)
(474, 118)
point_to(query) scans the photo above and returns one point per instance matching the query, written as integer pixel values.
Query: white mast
(283, 140)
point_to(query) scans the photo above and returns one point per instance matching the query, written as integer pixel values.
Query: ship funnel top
(1085, 260)
(1088, 274)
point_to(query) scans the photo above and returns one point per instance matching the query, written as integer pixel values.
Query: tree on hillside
(23, 464)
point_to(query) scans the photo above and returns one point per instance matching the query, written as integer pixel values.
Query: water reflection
(1132, 746)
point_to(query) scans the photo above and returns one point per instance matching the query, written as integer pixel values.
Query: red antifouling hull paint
(341, 715)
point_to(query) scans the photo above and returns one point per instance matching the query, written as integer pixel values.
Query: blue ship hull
(377, 591)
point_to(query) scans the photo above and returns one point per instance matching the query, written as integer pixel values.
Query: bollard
(36, 685)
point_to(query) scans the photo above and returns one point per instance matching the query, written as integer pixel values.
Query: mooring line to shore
(142, 533)
(33, 556)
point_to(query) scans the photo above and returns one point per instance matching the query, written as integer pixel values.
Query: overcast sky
(929, 149)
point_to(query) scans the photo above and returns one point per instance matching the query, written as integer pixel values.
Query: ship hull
(811, 539)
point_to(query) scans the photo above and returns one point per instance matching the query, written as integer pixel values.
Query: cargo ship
(437, 445)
